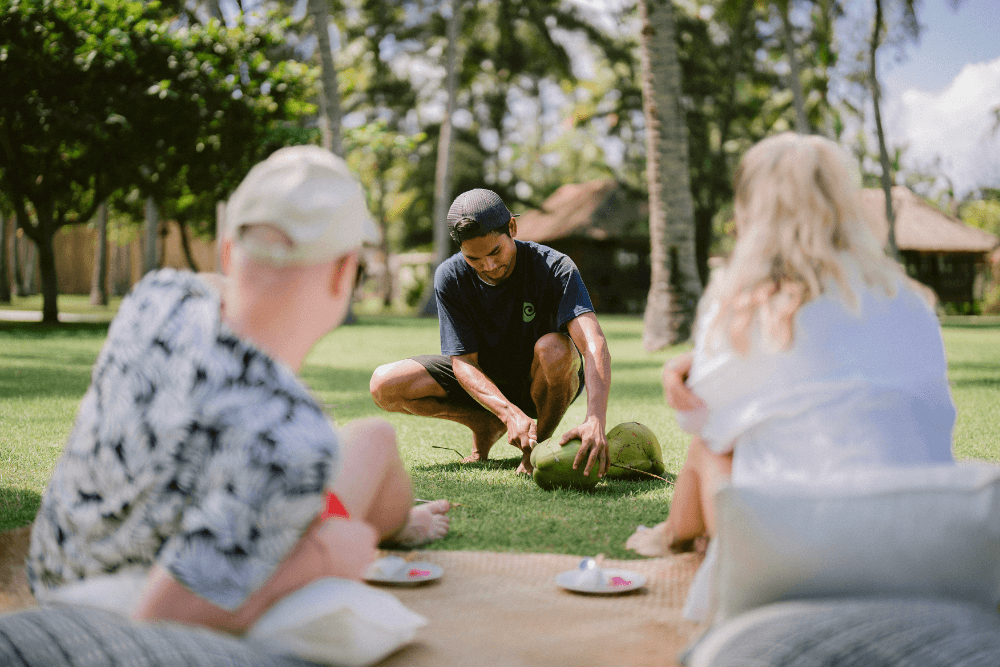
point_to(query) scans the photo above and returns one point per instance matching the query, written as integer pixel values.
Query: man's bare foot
(525, 468)
(474, 457)
(427, 523)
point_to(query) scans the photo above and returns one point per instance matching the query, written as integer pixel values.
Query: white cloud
(952, 131)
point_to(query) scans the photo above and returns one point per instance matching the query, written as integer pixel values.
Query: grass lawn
(44, 372)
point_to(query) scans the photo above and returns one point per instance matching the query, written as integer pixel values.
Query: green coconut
(633, 447)
(553, 466)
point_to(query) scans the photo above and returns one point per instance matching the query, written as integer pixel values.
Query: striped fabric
(86, 637)
(873, 632)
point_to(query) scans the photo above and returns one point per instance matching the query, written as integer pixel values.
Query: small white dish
(611, 581)
(397, 571)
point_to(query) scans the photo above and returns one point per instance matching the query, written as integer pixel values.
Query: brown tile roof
(596, 209)
(921, 226)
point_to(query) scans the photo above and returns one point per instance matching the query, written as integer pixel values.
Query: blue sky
(949, 40)
(940, 100)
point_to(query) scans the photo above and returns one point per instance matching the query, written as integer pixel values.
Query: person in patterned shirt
(199, 466)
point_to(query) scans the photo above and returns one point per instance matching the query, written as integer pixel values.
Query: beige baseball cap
(308, 193)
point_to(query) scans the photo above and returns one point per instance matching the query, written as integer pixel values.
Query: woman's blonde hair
(798, 214)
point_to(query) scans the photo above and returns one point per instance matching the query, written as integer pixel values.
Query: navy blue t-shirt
(503, 322)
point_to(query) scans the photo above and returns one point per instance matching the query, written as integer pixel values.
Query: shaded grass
(44, 372)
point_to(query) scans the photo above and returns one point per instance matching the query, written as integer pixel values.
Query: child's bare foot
(474, 457)
(658, 541)
(427, 523)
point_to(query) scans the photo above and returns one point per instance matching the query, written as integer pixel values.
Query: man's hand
(521, 430)
(675, 389)
(593, 446)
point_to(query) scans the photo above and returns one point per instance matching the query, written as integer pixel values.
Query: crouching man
(519, 342)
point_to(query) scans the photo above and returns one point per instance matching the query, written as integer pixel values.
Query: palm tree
(329, 100)
(674, 284)
(442, 173)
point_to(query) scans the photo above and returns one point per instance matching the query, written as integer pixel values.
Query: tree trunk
(442, 173)
(891, 248)
(4, 266)
(674, 285)
(24, 262)
(29, 268)
(151, 255)
(220, 233)
(99, 277)
(794, 71)
(186, 246)
(215, 11)
(42, 236)
(329, 99)
(121, 269)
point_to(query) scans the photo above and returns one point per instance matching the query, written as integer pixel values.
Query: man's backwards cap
(483, 206)
(308, 193)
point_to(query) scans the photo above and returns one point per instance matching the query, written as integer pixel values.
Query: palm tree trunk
(442, 173)
(674, 285)
(99, 277)
(883, 153)
(329, 99)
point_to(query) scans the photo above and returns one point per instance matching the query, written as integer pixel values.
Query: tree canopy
(105, 96)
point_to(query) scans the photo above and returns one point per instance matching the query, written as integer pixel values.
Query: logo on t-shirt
(529, 312)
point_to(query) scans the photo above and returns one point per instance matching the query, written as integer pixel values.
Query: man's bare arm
(521, 429)
(586, 333)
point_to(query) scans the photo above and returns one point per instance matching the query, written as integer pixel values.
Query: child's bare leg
(373, 485)
(692, 511)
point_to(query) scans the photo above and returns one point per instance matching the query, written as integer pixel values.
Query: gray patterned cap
(483, 206)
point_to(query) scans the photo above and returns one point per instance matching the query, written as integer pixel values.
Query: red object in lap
(334, 507)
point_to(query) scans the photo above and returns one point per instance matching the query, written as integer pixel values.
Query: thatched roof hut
(923, 227)
(939, 250)
(605, 232)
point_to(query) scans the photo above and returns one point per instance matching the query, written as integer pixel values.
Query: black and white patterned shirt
(192, 449)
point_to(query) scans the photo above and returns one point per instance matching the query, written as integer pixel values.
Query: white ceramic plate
(613, 581)
(413, 573)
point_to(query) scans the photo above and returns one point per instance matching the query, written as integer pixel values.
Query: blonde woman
(813, 353)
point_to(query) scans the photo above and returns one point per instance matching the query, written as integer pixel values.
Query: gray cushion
(897, 632)
(85, 637)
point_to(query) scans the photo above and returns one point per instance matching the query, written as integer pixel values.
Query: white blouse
(854, 389)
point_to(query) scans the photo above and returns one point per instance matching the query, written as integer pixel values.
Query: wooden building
(939, 250)
(605, 233)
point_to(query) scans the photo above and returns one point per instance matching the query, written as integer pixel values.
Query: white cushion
(931, 531)
(337, 622)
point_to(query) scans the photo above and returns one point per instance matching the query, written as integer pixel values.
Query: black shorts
(439, 366)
